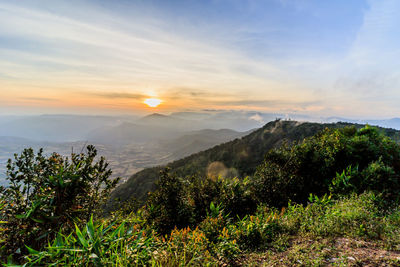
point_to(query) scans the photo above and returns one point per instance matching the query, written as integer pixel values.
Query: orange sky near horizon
(55, 101)
(107, 57)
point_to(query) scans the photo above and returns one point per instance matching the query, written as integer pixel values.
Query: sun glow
(152, 102)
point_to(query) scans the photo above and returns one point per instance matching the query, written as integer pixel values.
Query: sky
(324, 58)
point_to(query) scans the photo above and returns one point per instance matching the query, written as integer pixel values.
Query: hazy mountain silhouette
(57, 128)
(131, 133)
(197, 141)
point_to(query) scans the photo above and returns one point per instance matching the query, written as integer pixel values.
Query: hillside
(198, 141)
(239, 157)
(167, 131)
(330, 200)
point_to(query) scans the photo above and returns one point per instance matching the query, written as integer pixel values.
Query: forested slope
(239, 157)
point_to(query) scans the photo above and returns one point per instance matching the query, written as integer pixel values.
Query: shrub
(354, 216)
(236, 197)
(213, 224)
(167, 207)
(360, 160)
(187, 202)
(257, 231)
(233, 194)
(200, 193)
(51, 193)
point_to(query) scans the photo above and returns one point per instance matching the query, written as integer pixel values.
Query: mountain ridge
(240, 156)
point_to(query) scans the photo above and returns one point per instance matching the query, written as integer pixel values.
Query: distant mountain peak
(155, 115)
(160, 119)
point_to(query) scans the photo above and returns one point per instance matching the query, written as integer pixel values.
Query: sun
(152, 102)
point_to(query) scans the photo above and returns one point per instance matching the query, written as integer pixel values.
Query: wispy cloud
(142, 53)
(70, 54)
(114, 95)
(77, 52)
(268, 103)
(39, 99)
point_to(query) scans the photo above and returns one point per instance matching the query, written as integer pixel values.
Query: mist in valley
(132, 143)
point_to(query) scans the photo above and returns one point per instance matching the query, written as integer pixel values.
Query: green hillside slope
(239, 157)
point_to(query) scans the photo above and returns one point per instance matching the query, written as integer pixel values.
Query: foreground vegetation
(312, 203)
(222, 240)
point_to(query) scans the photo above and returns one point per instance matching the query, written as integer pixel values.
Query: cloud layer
(261, 55)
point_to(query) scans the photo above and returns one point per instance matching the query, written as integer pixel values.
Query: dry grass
(326, 252)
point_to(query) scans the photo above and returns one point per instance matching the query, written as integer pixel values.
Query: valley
(133, 143)
(128, 147)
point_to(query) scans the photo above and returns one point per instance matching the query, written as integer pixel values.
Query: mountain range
(138, 129)
(131, 143)
(128, 147)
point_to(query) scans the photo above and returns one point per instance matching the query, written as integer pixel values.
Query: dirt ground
(325, 252)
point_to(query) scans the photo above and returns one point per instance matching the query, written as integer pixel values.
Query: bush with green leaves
(258, 230)
(168, 207)
(213, 224)
(233, 194)
(341, 160)
(186, 202)
(357, 216)
(46, 194)
(237, 198)
(200, 194)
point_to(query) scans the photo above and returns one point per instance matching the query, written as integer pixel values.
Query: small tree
(46, 194)
(167, 207)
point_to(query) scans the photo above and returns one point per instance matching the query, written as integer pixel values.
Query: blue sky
(326, 58)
